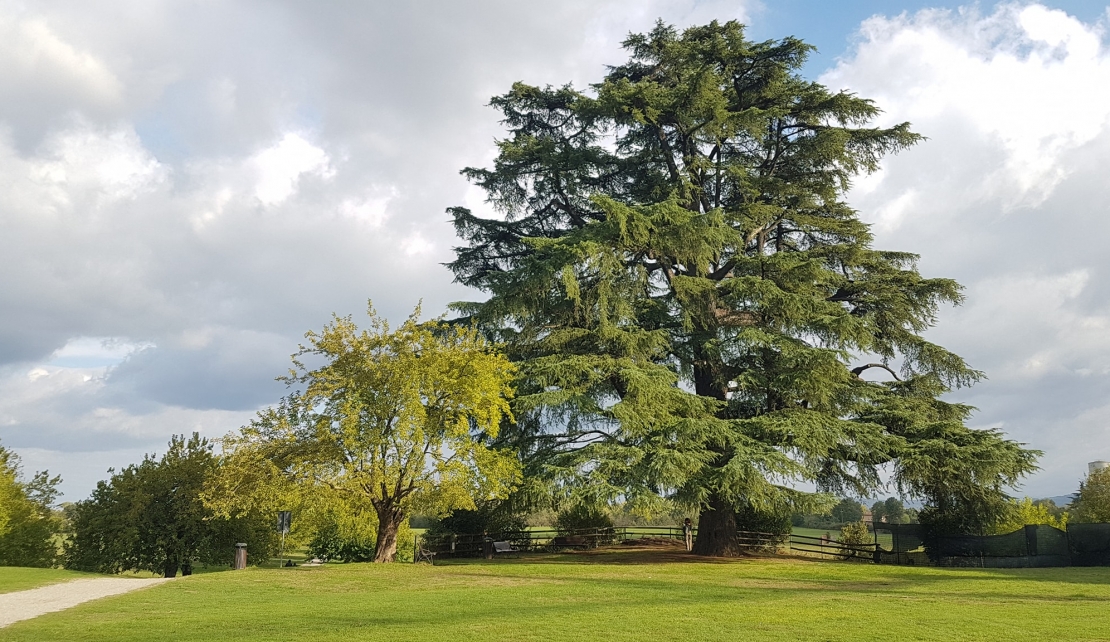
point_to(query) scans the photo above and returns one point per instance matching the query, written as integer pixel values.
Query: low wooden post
(240, 556)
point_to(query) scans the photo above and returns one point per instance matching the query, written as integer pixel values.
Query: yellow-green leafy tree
(1026, 512)
(27, 524)
(387, 420)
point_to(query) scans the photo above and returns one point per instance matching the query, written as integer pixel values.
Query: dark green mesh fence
(1030, 546)
(905, 545)
(903, 537)
(1089, 544)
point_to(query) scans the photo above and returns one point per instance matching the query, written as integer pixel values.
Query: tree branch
(858, 371)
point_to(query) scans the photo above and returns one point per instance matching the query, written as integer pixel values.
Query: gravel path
(24, 605)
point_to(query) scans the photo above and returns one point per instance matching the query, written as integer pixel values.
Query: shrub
(763, 520)
(332, 544)
(493, 517)
(348, 534)
(854, 534)
(582, 517)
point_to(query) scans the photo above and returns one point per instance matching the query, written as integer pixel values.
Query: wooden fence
(544, 539)
(549, 539)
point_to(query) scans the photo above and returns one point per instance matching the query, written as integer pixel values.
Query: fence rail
(549, 539)
(544, 539)
(1079, 545)
(833, 548)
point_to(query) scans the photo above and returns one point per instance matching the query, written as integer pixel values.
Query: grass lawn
(16, 578)
(622, 595)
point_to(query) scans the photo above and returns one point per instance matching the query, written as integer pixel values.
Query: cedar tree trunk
(717, 535)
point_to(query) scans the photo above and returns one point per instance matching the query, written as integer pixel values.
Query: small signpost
(284, 520)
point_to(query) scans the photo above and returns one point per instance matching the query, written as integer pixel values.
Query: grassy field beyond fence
(621, 594)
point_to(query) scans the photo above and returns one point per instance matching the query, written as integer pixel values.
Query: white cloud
(1031, 81)
(281, 166)
(1035, 326)
(889, 215)
(41, 64)
(95, 351)
(371, 210)
(84, 158)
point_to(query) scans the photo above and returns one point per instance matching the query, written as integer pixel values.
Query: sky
(188, 187)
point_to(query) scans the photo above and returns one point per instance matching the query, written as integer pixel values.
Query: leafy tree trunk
(169, 568)
(717, 535)
(389, 522)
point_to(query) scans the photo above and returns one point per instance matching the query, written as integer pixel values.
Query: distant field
(14, 578)
(621, 594)
(884, 538)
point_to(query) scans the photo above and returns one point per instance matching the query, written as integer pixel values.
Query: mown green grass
(15, 578)
(627, 595)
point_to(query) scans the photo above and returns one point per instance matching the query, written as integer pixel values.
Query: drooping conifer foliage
(693, 306)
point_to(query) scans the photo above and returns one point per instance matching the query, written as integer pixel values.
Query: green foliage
(774, 519)
(847, 511)
(393, 422)
(1026, 512)
(962, 474)
(1056, 512)
(150, 516)
(331, 543)
(27, 523)
(855, 534)
(1092, 502)
(686, 292)
(625, 515)
(817, 511)
(891, 511)
(488, 516)
(580, 517)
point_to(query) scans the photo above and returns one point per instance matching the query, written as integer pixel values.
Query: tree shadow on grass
(621, 555)
(648, 555)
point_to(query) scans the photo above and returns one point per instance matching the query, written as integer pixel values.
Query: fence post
(1030, 540)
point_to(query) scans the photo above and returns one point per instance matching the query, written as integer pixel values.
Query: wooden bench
(424, 555)
(504, 548)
